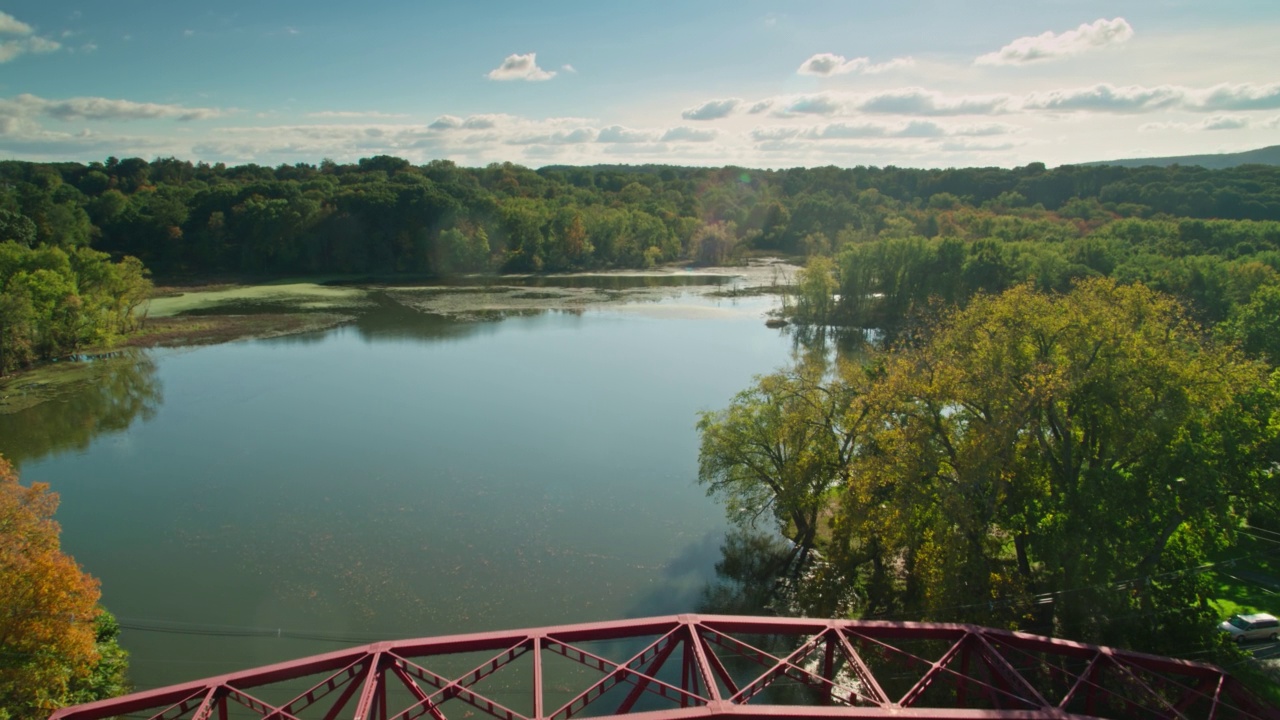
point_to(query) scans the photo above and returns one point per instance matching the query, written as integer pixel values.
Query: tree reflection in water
(113, 393)
(748, 573)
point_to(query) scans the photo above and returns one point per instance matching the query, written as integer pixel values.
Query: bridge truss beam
(698, 666)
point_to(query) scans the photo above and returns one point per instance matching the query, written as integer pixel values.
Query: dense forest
(900, 235)
(385, 215)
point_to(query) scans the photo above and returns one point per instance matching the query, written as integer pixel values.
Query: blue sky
(913, 83)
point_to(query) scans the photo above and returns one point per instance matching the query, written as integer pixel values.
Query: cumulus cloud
(342, 114)
(482, 122)
(912, 129)
(97, 108)
(1216, 122)
(773, 134)
(10, 25)
(760, 107)
(641, 149)
(711, 109)
(521, 67)
(472, 122)
(688, 134)
(1105, 97)
(446, 122)
(1244, 96)
(10, 49)
(1225, 122)
(811, 105)
(22, 39)
(827, 64)
(577, 136)
(974, 146)
(918, 101)
(1048, 46)
(620, 134)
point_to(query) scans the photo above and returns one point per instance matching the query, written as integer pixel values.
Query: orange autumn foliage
(47, 603)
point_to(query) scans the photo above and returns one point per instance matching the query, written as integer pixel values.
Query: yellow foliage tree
(48, 605)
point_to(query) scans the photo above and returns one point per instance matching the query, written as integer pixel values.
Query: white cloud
(354, 114)
(10, 49)
(811, 105)
(827, 64)
(1216, 122)
(1048, 46)
(10, 25)
(913, 129)
(1237, 97)
(576, 136)
(974, 146)
(642, 149)
(521, 67)
(760, 107)
(711, 109)
(1105, 97)
(772, 134)
(446, 122)
(620, 134)
(483, 122)
(1223, 122)
(688, 134)
(97, 108)
(985, 129)
(918, 101)
(472, 122)
(569, 68)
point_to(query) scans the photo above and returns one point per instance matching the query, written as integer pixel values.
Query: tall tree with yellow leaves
(48, 605)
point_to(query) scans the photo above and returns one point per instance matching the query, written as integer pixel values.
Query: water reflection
(598, 282)
(747, 574)
(846, 343)
(113, 393)
(683, 581)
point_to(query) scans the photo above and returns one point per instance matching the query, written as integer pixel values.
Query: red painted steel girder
(690, 667)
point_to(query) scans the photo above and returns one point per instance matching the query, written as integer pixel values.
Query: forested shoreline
(897, 238)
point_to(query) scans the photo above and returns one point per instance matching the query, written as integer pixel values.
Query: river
(403, 475)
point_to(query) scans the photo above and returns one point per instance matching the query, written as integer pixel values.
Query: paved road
(1264, 650)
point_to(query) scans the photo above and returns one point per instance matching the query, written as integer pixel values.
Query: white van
(1252, 627)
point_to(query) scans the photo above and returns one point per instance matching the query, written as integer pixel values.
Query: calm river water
(403, 476)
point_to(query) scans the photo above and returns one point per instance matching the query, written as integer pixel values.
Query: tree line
(386, 215)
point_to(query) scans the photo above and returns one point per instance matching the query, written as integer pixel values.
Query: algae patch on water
(58, 379)
(301, 296)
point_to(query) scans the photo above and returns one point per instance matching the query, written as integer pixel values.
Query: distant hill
(1261, 156)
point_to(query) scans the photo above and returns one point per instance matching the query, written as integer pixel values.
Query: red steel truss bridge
(689, 667)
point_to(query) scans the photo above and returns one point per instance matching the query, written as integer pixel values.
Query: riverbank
(199, 313)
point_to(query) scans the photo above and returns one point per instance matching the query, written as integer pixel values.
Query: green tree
(816, 285)
(1089, 448)
(17, 228)
(782, 447)
(713, 244)
(1256, 325)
